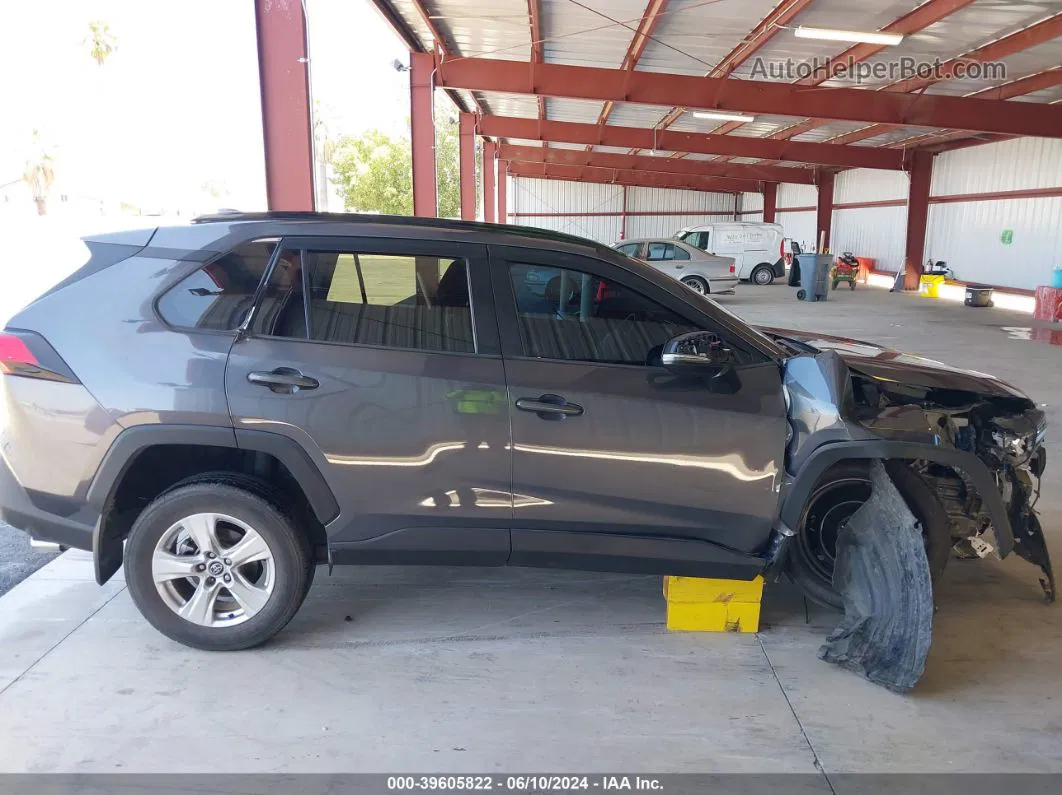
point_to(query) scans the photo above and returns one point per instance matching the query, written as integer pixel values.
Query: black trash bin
(813, 276)
(978, 295)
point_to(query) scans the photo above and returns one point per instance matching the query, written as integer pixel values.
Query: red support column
(285, 86)
(770, 201)
(917, 217)
(824, 211)
(503, 210)
(425, 196)
(488, 181)
(468, 166)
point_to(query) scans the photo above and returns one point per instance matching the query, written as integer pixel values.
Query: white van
(758, 249)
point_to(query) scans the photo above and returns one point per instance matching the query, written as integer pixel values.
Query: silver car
(702, 272)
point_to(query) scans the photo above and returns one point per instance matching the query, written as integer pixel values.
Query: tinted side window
(218, 296)
(661, 251)
(369, 299)
(630, 249)
(680, 253)
(567, 314)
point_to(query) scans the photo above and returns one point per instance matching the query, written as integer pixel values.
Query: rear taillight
(732, 268)
(27, 354)
(781, 248)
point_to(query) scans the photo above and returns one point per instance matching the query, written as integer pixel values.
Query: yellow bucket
(929, 285)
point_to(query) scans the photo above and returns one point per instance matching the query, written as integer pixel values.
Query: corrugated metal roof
(578, 36)
(1035, 59)
(968, 28)
(577, 110)
(695, 35)
(830, 130)
(503, 33)
(895, 136)
(627, 114)
(843, 14)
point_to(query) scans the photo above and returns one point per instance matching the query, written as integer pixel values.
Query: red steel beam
(1035, 34)
(961, 138)
(610, 176)
(673, 141)
(824, 210)
(534, 17)
(422, 129)
(467, 165)
(429, 23)
(577, 157)
(488, 181)
(917, 217)
(770, 202)
(642, 35)
(750, 96)
(286, 127)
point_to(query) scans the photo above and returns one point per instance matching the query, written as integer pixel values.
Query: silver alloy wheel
(213, 570)
(695, 284)
(763, 276)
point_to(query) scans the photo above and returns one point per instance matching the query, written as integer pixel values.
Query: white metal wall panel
(1017, 164)
(790, 195)
(672, 200)
(753, 218)
(870, 185)
(697, 208)
(566, 207)
(800, 227)
(878, 232)
(968, 236)
(751, 201)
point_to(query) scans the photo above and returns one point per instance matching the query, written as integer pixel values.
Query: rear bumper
(724, 284)
(18, 510)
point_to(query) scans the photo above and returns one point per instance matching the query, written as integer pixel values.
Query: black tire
(851, 284)
(801, 295)
(697, 284)
(833, 285)
(248, 502)
(762, 275)
(810, 566)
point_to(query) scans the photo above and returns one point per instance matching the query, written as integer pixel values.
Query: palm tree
(39, 175)
(102, 42)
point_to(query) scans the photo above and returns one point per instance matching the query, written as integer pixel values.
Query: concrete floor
(475, 670)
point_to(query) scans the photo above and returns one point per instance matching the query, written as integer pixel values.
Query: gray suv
(224, 406)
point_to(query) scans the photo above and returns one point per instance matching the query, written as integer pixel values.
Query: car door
(611, 449)
(381, 359)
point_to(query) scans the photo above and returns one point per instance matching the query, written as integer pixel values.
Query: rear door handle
(283, 380)
(549, 407)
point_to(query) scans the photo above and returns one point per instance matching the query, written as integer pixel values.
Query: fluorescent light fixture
(863, 37)
(723, 116)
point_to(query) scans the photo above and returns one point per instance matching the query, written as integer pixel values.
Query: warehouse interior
(618, 120)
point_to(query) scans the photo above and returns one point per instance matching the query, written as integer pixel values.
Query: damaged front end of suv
(975, 441)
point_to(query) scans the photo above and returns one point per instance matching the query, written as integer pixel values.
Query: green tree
(374, 172)
(101, 42)
(39, 174)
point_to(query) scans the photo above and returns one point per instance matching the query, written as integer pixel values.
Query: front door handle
(549, 407)
(283, 380)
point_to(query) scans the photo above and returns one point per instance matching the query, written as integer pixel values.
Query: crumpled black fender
(796, 494)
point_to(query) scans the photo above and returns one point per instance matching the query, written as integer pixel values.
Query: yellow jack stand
(701, 605)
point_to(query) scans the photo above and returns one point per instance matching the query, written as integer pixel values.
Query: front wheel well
(156, 469)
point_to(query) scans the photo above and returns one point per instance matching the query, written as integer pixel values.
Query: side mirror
(696, 353)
